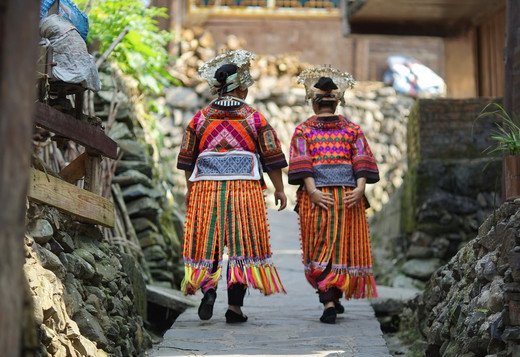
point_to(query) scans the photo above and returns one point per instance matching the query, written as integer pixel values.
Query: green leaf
(142, 52)
(507, 132)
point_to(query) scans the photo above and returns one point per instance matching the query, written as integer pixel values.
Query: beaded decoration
(339, 235)
(240, 58)
(309, 77)
(246, 236)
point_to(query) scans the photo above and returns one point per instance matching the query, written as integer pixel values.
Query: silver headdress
(240, 58)
(309, 77)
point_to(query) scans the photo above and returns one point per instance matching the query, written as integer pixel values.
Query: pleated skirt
(340, 236)
(228, 214)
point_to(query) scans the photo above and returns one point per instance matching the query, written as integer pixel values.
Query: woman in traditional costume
(331, 162)
(225, 149)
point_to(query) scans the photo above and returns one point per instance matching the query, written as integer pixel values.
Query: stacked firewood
(198, 46)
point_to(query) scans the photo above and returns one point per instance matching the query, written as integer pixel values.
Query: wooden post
(345, 25)
(93, 173)
(512, 59)
(512, 76)
(18, 54)
(78, 104)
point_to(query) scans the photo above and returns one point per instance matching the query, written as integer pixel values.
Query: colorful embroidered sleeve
(363, 160)
(189, 147)
(270, 150)
(300, 161)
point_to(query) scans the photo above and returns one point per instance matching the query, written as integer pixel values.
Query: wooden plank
(461, 65)
(93, 174)
(491, 50)
(76, 130)
(362, 49)
(75, 170)
(82, 205)
(169, 298)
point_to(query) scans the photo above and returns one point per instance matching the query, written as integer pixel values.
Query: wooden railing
(60, 189)
(61, 192)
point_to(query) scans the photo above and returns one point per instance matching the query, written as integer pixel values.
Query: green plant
(507, 132)
(142, 51)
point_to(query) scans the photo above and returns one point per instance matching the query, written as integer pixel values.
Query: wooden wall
(362, 55)
(461, 65)
(491, 68)
(512, 53)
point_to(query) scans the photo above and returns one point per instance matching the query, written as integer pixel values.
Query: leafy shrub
(142, 52)
(506, 134)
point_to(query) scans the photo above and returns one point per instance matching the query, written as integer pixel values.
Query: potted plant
(507, 142)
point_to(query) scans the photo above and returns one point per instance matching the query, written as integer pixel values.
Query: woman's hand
(279, 196)
(353, 197)
(187, 198)
(321, 199)
(187, 175)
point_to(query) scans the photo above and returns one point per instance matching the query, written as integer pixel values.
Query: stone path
(279, 325)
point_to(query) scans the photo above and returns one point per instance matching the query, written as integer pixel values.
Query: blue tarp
(69, 11)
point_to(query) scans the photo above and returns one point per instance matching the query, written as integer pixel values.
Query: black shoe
(339, 308)
(232, 317)
(206, 304)
(329, 316)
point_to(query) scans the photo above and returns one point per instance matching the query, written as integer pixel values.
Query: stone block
(41, 230)
(142, 167)
(148, 238)
(143, 207)
(421, 268)
(511, 334)
(457, 134)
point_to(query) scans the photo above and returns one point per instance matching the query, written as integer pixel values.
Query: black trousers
(332, 294)
(236, 292)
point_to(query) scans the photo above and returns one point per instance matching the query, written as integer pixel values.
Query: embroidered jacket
(333, 150)
(228, 126)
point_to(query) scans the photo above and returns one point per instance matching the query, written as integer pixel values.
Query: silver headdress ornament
(309, 77)
(240, 58)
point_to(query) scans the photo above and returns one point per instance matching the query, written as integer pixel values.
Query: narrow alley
(279, 325)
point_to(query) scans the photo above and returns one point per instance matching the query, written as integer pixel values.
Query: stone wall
(153, 224)
(381, 113)
(88, 297)
(378, 109)
(450, 188)
(88, 285)
(451, 194)
(471, 306)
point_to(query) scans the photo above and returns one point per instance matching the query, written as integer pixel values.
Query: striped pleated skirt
(228, 214)
(340, 236)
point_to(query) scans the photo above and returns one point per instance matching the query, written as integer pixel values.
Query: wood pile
(198, 46)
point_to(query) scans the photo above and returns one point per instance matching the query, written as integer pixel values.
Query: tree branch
(113, 45)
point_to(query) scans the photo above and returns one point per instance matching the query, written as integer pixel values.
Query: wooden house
(461, 40)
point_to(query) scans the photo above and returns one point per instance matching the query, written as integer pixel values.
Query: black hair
(326, 84)
(222, 74)
(327, 104)
(225, 71)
